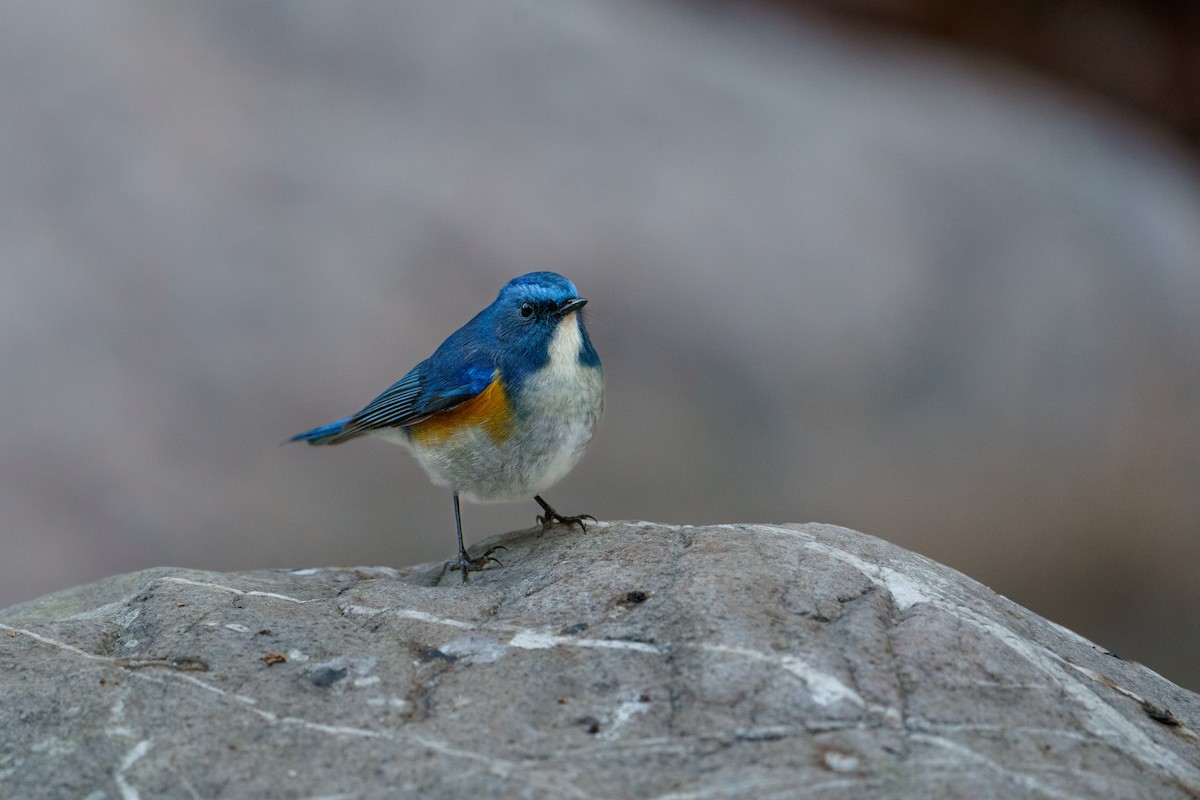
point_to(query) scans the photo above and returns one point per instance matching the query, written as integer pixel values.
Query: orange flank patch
(488, 410)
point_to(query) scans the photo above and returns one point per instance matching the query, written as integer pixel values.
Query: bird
(502, 410)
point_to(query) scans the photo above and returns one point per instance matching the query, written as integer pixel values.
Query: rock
(633, 660)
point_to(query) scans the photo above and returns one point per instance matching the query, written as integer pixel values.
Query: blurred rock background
(845, 265)
(1143, 54)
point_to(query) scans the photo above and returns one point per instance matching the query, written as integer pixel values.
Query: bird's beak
(572, 305)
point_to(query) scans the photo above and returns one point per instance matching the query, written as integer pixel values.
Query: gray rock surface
(634, 660)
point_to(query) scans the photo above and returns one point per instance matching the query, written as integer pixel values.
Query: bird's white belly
(553, 421)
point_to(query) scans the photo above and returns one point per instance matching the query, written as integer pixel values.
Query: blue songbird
(503, 409)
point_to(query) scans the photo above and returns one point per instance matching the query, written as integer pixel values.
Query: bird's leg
(465, 562)
(552, 516)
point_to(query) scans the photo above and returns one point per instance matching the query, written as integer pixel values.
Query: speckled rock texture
(633, 660)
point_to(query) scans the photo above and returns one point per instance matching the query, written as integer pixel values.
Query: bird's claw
(475, 564)
(552, 516)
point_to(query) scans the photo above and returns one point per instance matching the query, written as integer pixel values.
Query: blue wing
(418, 395)
(322, 435)
(459, 370)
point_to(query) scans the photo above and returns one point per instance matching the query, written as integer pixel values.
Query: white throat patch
(565, 344)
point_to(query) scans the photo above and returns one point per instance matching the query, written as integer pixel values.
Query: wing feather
(419, 395)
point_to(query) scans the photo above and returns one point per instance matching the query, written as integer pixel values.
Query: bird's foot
(468, 564)
(551, 516)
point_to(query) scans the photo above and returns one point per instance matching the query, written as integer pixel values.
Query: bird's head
(534, 313)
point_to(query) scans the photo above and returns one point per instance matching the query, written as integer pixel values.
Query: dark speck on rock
(1159, 715)
(328, 677)
(590, 724)
(571, 630)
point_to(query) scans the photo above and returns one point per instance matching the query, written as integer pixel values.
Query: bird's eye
(526, 309)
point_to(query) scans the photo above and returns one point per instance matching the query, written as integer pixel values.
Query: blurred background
(929, 270)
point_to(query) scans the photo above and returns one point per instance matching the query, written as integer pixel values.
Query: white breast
(564, 400)
(565, 344)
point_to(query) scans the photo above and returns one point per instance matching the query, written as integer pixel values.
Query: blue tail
(322, 435)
